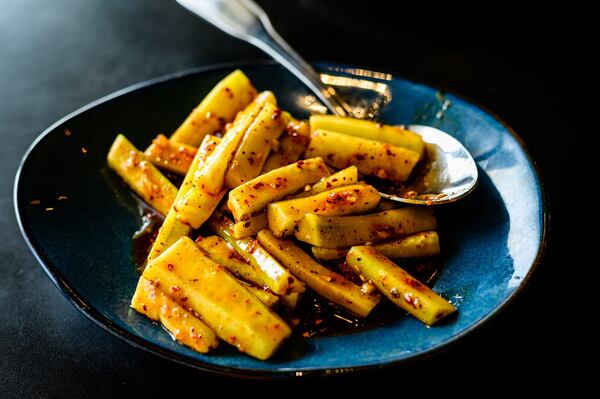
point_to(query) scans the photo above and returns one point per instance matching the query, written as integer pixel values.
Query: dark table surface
(57, 56)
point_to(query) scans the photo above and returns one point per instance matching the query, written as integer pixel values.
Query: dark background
(529, 68)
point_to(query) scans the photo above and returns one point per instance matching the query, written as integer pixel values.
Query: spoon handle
(245, 20)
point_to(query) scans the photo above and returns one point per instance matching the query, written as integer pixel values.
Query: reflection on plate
(78, 217)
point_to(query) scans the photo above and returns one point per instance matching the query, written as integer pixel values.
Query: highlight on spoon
(447, 174)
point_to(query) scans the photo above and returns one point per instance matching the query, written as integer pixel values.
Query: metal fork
(245, 20)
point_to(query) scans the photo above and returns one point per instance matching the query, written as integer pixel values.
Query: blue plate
(78, 217)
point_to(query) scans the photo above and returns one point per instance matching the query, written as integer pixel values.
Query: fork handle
(245, 20)
(268, 40)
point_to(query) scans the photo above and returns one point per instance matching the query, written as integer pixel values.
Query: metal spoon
(447, 174)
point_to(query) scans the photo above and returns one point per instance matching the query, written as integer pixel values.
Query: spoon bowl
(446, 174)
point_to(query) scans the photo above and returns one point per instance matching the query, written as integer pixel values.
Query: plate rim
(93, 314)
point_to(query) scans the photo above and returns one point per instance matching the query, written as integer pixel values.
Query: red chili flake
(229, 92)
(144, 307)
(360, 157)
(253, 247)
(258, 185)
(335, 198)
(328, 184)
(174, 288)
(170, 266)
(413, 283)
(276, 114)
(199, 238)
(299, 164)
(251, 161)
(183, 299)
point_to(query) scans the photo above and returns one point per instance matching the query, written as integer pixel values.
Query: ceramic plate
(78, 217)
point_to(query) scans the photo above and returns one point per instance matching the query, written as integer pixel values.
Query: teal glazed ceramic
(78, 217)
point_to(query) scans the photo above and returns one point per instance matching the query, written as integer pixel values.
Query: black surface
(57, 56)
